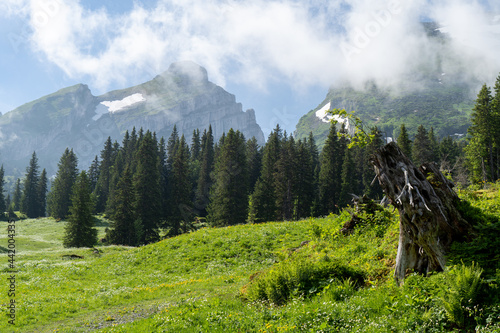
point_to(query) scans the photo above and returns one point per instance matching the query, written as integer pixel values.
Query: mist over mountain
(74, 118)
(437, 90)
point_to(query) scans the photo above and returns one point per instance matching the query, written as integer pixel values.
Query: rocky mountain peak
(187, 72)
(72, 117)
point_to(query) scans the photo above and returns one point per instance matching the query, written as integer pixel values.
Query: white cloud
(255, 42)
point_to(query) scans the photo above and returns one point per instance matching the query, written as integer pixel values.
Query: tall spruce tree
(285, 179)
(195, 145)
(181, 195)
(434, 144)
(229, 194)
(172, 144)
(124, 229)
(102, 187)
(304, 183)
(42, 193)
(480, 149)
(495, 126)
(147, 189)
(262, 202)
(29, 199)
(16, 198)
(115, 174)
(451, 160)
(59, 198)
(163, 170)
(94, 173)
(404, 141)
(80, 231)
(422, 150)
(204, 182)
(315, 165)
(349, 181)
(254, 162)
(331, 160)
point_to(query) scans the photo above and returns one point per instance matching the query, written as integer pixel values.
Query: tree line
(146, 184)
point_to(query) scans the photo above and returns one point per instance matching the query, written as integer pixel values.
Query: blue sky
(278, 57)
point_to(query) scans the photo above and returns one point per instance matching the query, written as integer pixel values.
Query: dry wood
(429, 220)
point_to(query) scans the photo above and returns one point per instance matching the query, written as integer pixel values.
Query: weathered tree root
(429, 219)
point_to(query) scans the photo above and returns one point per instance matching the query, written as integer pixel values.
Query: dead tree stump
(429, 219)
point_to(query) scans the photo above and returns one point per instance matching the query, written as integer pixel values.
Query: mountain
(73, 117)
(446, 108)
(436, 92)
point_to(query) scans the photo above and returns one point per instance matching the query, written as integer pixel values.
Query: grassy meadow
(252, 278)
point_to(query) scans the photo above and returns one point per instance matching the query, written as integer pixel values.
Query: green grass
(202, 282)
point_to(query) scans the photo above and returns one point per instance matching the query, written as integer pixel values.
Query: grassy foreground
(247, 278)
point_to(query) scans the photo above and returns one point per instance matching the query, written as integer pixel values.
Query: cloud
(303, 43)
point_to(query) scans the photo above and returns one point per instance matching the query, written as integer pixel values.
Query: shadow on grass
(100, 222)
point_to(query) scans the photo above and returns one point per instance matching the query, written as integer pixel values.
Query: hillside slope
(201, 281)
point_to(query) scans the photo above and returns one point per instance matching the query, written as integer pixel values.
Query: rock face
(72, 117)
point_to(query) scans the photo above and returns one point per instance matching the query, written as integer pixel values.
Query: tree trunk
(429, 219)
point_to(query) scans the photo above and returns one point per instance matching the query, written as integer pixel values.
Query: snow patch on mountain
(114, 106)
(325, 117)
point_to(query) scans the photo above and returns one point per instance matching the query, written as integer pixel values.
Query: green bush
(299, 276)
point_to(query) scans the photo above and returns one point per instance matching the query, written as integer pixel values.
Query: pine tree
(164, 179)
(434, 145)
(422, 150)
(195, 145)
(16, 199)
(180, 196)
(315, 165)
(331, 161)
(102, 187)
(115, 174)
(480, 149)
(131, 151)
(285, 179)
(42, 193)
(229, 194)
(404, 142)
(304, 187)
(204, 182)
(172, 144)
(123, 227)
(80, 231)
(3, 205)
(448, 153)
(8, 201)
(59, 199)
(29, 199)
(146, 183)
(263, 199)
(349, 180)
(94, 173)
(254, 162)
(495, 126)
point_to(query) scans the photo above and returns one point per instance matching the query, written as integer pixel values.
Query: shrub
(299, 276)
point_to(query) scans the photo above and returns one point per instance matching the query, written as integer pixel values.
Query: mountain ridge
(73, 117)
